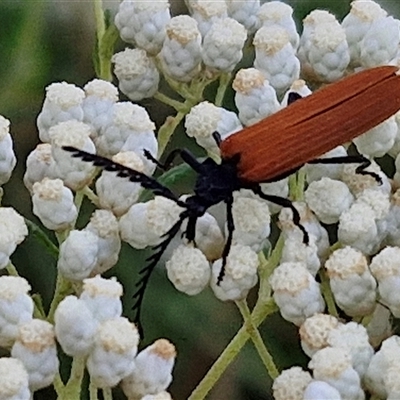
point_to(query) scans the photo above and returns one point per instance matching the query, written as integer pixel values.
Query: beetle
(270, 150)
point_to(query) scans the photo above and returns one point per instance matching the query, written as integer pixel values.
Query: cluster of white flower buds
(360, 275)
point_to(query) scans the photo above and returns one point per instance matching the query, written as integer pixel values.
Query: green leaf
(42, 238)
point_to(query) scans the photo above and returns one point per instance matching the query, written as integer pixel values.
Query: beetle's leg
(228, 244)
(152, 262)
(357, 159)
(281, 201)
(168, 161)
(147, 182)
(190, 233)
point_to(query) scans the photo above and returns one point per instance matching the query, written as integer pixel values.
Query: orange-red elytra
(270, 150)
(318, 123)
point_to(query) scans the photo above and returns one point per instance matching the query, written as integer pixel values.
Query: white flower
(12, 232)
(78, 255)
(188, 270)
(244, 12)
(328, 199)
(222, 45)
(113, 354)
(38, 165)
(118, 194)
(16, 307)
(385, 267)
(105, 226)
(13, 380)
(351, 282)
(317, 390)
(279, 13)
(99, 97)
(102, 297)
(7, 156)
(275, 57)
(63, 102)
(75, 326)
(290, 384)
(314, 332)
(180, 55)
(333, 366)
(296, 292)
(207, 12)
(53, 204)
(36, 348)
(204, 119)
(353, 338)
(137, 73)
(240, 274)
(152, 373)
(145, 223)
(143, 23)
(255, 98)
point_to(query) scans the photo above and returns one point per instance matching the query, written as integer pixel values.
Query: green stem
(58, 384)
(178, 105)
(224, 81)
(93, 391)
(107, 394)
(63, 289)
(94, 199)
(263, 352)
(72, 389)
(327, 293)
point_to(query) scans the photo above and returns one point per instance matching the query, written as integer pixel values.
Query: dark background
(47, 41)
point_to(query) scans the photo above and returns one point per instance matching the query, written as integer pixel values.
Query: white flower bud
(275, 57)
(358, 229)
(385, 267)
(102, 297)
(12, 232)
(63, 102)
(143, 23)
(333, 366)
(7, 156)
(223, 44)
(153, 371)
(387, 357)
(128, 128)
(353, 338)
(75, 326)
(105, 226)
(244, 12)
(13, 380)
(328, 199)
(290, 384)
(395, 150)
(317, 390)
(357, 23)
(36, 348)
(206, 12)
(180, 55)
(314, 332)
(38, 165)
(296, 292)
(279, 13)
(78, 255)
(16, 307)
(251, 218)
(159, 396)
(53, 204)
(100, 96)
(145, 223)
(137, 73)
(255, 98)
(188, 270)
(118, 194)
(351, 282)
(333, 171)
(112, 357)
(240, 274)
(357, 183)
(295, 250)
(204, 119)
(379, 140)
(73, 171)
(379, 46)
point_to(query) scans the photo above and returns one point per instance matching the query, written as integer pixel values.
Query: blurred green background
(45, 41)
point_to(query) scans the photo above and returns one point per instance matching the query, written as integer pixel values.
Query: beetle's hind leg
(357, 159)
(282, 201)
